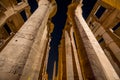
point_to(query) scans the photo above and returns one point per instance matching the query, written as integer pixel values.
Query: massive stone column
(69, 61)
(111, 50)
(60, 65)
(102, 68)
(109, 42)
(32, 68)
(75, 53)
(24, 53)
(112, 45)
(62, 60)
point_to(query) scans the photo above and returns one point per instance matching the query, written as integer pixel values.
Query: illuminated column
(25, 43)
(54, 71)
(28, 13)
(38, 54)
(112, 45)
(109, 42)
(62, 60)
(102, 68)
(60, 70)
(75, 55)
(69, 61)
(35, 62)
(44, 71)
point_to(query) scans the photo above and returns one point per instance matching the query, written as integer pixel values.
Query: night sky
(87, 6)
(33, 4)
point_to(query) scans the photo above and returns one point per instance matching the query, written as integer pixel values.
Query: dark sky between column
(59, 22)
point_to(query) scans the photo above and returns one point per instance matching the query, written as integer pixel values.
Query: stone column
(27, 11)
(60, 72)
(32, 69)
(109, 42)
(62, 60)
(13, 57)
(112, 45)
(102, 68)
(47, 54)
(112, 61)
(69, 61)
(44, 71)
(75, 55)
(54, 71)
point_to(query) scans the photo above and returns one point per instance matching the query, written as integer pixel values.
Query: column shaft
(75, 55)
(69, 61)
(13, 57)
(112, 45)
(35, 59)
(101, 66)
